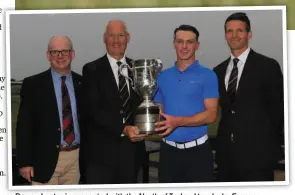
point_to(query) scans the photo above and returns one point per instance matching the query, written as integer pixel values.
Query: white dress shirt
(242, 59)
(115, 68)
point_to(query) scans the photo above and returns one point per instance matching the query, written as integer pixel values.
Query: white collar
(114, 61)
(242, 57)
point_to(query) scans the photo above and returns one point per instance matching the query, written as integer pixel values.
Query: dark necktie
(124, 97)
(67, 119)
(232, 82)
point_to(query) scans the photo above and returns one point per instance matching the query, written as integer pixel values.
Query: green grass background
(90, 4)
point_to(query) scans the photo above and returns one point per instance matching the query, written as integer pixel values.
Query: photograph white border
(151, 185)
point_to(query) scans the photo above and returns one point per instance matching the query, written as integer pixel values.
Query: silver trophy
(145, 73)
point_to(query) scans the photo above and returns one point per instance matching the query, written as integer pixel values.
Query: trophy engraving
(145, 73)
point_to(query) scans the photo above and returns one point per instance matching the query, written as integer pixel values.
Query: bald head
(60, 40)
(117, 24)
(116, 38)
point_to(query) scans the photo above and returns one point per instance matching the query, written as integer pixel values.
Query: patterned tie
(232, 82)
(67, 119)
(125, 97)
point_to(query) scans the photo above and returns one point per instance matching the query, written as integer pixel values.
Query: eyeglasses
(62, 52)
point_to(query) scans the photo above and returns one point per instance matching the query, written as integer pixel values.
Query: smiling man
(114, 149)
(252, 108)
(188, 96)
(48, 123)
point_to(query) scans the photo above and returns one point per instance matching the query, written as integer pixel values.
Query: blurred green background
(90, 4)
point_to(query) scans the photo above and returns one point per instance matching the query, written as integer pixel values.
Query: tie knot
(119, 63)
(63, 78)
(235, 60)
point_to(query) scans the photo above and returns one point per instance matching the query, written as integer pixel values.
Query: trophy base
(146, 128)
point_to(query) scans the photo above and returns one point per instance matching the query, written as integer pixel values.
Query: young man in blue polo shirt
(188, 96)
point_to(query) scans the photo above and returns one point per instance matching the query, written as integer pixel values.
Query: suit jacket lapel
(246, 70)
(76, 82)
(50, 93)
(112, 83)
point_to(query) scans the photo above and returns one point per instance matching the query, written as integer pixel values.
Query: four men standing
(249, 87)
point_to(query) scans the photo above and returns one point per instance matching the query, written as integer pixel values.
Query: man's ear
(128, 37)
(48, 55)
(197, 45)
(73, 54)
(105, 37)
(250, 35)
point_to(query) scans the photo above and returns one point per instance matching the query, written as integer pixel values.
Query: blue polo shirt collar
(190, 67)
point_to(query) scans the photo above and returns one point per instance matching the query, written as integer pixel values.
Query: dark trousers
(185, 165)
(229, 170)
(124, 171)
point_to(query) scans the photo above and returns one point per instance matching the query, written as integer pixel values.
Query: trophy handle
(129, 68)
(158, 65)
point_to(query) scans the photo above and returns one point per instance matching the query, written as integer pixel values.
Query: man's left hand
(168, 125)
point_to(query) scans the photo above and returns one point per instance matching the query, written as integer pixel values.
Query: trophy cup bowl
(145, 72)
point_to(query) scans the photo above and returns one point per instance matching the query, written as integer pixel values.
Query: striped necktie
(124, 97)
(68, 126)
(232, 82)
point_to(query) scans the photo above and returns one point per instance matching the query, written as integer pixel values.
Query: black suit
(38, 124)
(109, 158)
(255, 120)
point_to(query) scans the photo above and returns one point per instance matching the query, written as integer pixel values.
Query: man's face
(236, 35)
(60, 55)
(185, 44)
(116, 39)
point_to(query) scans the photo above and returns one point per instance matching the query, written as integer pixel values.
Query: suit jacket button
(58, 129)
(233, 112)
(121, 111)
(57, 146)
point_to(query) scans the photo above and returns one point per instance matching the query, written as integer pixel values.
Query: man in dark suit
(48, 129)
(252, 108)
(114, 148)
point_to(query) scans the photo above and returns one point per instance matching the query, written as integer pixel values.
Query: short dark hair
(239, 16)
(186, 27)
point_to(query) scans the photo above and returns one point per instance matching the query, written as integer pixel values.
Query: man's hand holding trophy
(145, 72)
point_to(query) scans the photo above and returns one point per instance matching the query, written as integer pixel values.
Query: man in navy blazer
(252, 108)
(45, 152)
(114, 149)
